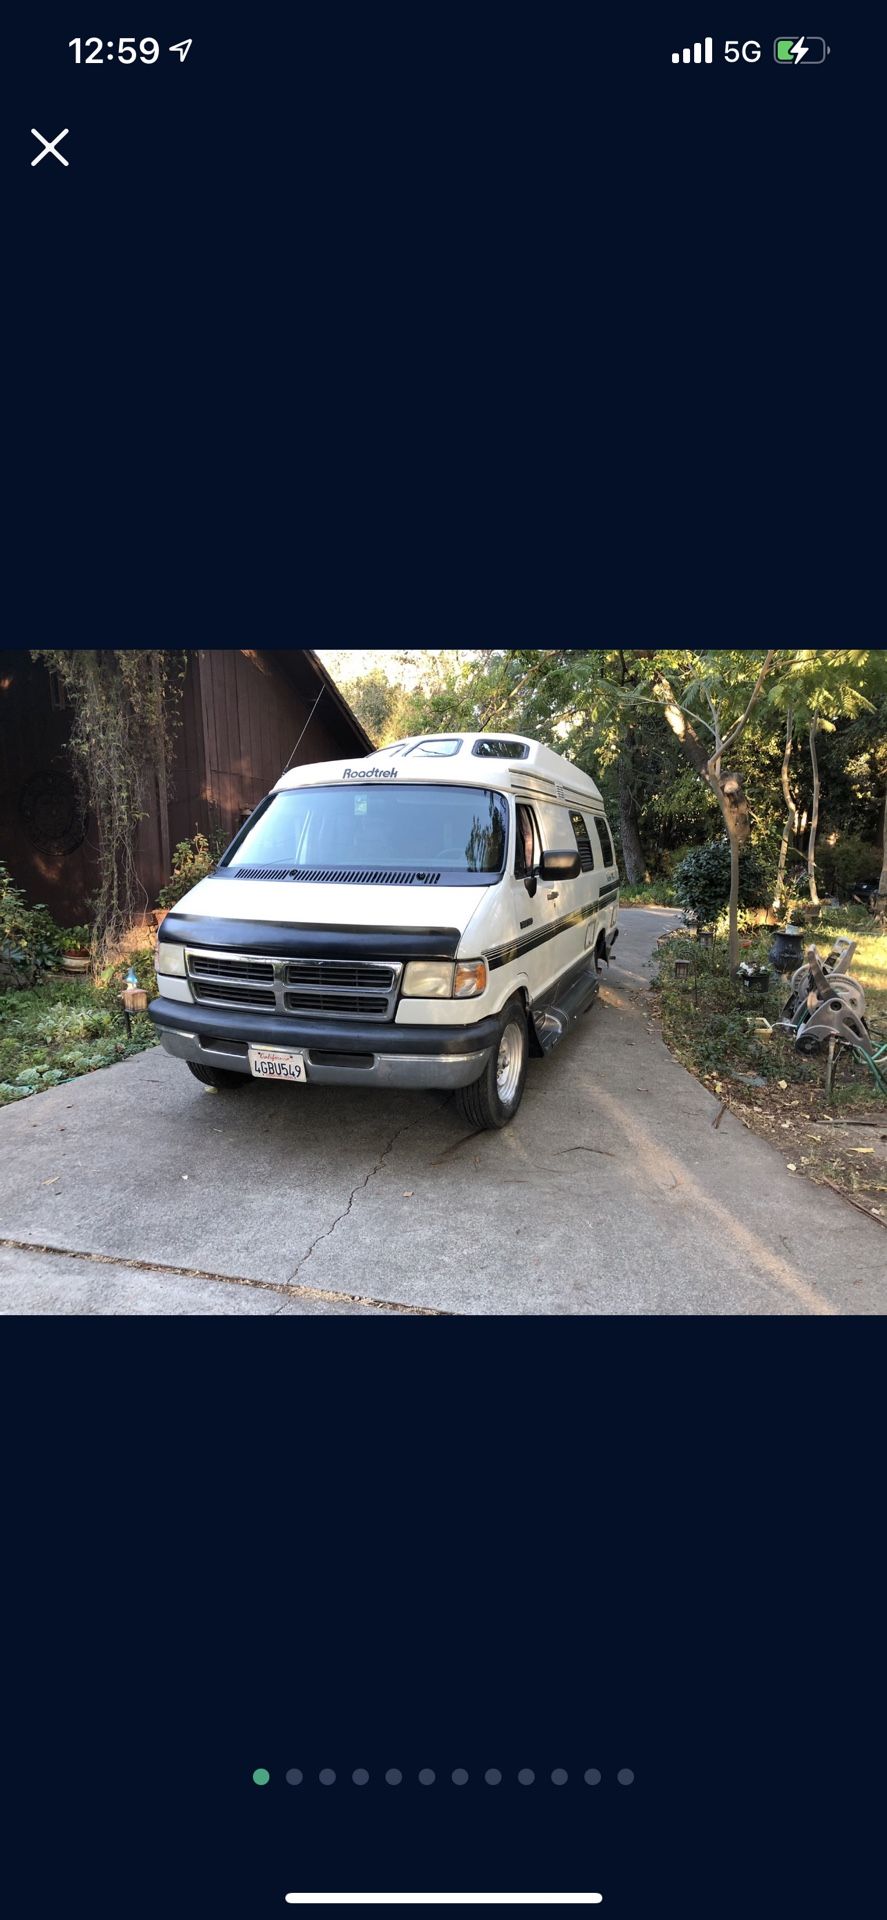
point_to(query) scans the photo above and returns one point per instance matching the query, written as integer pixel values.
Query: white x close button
(49, 146)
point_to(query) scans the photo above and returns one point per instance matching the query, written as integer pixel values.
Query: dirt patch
(816, 1144)
(775, 1092)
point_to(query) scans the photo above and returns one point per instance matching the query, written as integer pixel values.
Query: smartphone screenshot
(443, 963)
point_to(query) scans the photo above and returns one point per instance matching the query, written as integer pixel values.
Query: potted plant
(75, 954)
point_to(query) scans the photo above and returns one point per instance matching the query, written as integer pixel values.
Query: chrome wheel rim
(509, 1062)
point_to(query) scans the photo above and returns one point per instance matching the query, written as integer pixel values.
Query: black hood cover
(281, 938)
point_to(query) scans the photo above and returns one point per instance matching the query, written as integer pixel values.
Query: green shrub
(58, 1022)
(702, 882)
(30, 941)
(844, 920)
(648, 893)
(848, 862)
(61, 1029)
(192, 861)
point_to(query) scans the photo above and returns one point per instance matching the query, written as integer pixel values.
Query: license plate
(277, 1063)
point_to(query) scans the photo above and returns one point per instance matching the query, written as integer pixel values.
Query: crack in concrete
(287, 1288)
(360, 1188)
(606, 1155)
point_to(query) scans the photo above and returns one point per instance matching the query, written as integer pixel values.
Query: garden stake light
(682, 969)
(134, 999)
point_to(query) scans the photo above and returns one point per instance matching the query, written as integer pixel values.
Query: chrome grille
(345, 989)
(340, 974)
(372, 1006)
(216, 967)
(237, 994)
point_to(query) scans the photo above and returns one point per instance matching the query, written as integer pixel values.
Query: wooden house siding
(33, 760)
(244, 713)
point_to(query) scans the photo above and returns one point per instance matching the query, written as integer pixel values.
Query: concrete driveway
(134, 1190)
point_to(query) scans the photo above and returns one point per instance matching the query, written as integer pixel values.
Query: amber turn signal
(471, 979)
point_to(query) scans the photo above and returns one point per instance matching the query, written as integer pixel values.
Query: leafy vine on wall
(125, 709)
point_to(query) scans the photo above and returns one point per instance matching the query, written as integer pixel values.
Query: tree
(376, 700)
(723, 682)
(629, 810)
(882, 884)
(671, 734)
(792, 813)
(821, 686)
(815, 725)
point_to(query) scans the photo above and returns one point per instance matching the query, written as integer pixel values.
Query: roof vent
(490, 749)
(439, 749)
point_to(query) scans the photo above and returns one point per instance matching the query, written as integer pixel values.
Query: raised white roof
(508, 762)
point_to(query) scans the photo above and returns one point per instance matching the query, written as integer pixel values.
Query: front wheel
(493, 1100)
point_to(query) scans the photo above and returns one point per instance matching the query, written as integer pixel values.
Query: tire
(493, 1100)
(217, 1077)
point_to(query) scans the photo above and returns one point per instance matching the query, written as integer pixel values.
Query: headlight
(439, 980)
(428, 980)
(471, 978)
(170, 958)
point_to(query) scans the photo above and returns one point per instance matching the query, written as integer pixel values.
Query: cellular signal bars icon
(695, 54)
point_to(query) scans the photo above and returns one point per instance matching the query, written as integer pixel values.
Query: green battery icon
(808, 50)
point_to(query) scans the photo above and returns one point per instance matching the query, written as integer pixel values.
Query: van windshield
(362, 827)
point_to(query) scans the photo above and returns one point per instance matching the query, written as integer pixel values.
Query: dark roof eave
(340, 700)
(279, 659)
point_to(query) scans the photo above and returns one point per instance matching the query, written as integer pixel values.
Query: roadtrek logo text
(370, 773)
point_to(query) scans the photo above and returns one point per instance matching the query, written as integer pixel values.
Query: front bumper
(339, 1052)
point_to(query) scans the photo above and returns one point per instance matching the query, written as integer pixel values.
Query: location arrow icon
(181, 47)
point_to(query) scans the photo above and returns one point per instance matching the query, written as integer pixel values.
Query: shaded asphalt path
(133, 1190)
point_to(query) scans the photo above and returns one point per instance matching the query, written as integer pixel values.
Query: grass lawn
(64, 1027)
(869, 967)
(775, 1090)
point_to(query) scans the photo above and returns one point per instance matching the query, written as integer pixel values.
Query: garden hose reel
(826, 1003)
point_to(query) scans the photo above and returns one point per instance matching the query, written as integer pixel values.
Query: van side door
(564, 901)
(608, 891)
(530, 912)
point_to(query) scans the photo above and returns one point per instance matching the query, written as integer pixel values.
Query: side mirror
(560, 866)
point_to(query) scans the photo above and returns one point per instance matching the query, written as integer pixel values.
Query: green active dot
(261, 1776)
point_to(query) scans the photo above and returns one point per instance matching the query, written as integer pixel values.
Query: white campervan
(427, 917)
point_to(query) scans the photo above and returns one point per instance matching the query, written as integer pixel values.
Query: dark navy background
(425, 323)
(331, 1543)
(434, 325)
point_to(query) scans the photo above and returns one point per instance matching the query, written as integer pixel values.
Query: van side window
(525, 843)
(583, 842)
(606, 841)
